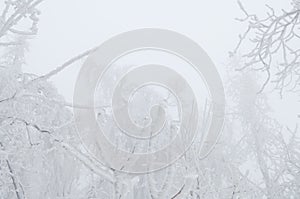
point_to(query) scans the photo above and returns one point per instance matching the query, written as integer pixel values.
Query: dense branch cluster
(40, 155)
(274, 43)
(15, 14)
(263, 151)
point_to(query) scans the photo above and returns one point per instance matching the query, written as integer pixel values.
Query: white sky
(68, 27)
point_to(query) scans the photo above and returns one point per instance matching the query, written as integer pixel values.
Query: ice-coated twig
(274, 47)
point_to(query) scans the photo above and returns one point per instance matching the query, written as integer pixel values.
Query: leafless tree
(274, 43)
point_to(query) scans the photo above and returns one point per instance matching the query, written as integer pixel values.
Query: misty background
(69, 27)
(46, 151)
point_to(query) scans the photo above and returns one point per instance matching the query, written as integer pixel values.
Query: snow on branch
(274, 41)
(16, 11)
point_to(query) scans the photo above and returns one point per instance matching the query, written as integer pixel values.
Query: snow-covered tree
(42, 156)
(274, 46)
